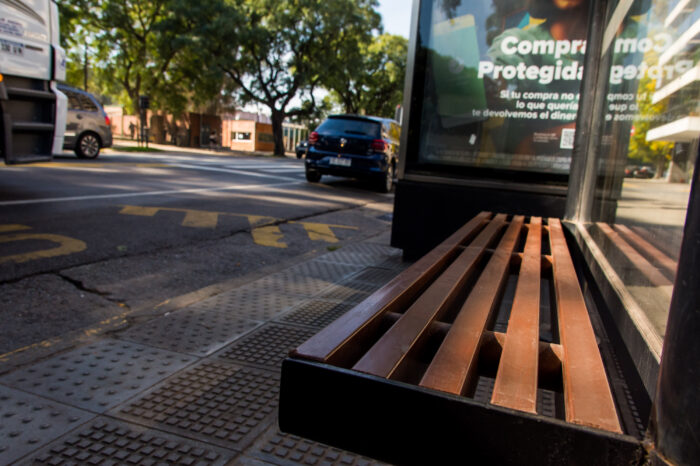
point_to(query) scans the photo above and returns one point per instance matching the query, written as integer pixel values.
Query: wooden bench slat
(454, 364)
(326, 346)
(587, 397)
(516, 379)
(387, 353)
(666, 262)
(645, 267)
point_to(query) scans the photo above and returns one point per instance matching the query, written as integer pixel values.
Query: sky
(396, 16)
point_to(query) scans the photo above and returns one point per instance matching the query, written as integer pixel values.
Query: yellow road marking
(82, 165)
(257, 220)
(67, 246)
(8, 228)
(269, 236)
(65, 165)
(263, 230)
(138, 210)
(200, 219)
(322, 231)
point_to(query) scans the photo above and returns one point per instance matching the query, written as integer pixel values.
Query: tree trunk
(277, 133)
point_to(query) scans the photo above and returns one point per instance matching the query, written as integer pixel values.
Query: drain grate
(214, 402)
(108, 442)
(99, 376)
(194, 332)
(283, 449)
(267, 346)
(317, 313)
(27, 422)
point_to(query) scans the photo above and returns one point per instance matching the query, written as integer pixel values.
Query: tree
(371, 77)
(147, 47)
(284, 48)
(657, 153)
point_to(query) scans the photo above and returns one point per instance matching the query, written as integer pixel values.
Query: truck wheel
(88, 146)
(312, 176)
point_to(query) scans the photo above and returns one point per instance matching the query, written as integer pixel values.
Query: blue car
(354, 146)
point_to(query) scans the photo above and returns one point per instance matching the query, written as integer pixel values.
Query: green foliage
(142, 47)
(279, 54)
(285, 48)
(370, 77)
(641, 150)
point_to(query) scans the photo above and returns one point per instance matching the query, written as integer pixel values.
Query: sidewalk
(198, 385)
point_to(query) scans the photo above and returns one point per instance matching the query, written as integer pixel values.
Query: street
(86, 243)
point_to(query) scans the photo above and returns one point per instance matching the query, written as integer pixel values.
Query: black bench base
(405, 424)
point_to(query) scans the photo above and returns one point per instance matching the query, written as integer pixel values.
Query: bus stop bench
(482, 350)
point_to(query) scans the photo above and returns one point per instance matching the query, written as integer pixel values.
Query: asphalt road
(87, 242)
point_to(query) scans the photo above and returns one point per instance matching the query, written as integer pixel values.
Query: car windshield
(350, 126)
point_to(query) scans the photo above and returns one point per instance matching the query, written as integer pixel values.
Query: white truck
(32, 109)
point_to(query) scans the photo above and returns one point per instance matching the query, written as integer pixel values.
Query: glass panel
(87, 104)
(648, 149)
(501, 88)
(350, 126)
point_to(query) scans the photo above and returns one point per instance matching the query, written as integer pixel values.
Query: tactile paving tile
(27, 422)
(317, 313)
(546, 403)
(108, 442)
(249, 302)
(360, 254)
(267, 346)
(375, 275)
(395, 263)
(213, 401)
(190, 331)
(291, 283)
(284, 449)
(353, 291)
(98, 376)
(328, 271)
(484, 389)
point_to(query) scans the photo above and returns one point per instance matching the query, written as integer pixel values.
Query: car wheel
(312, 176)
(88, 146)
(388, 181)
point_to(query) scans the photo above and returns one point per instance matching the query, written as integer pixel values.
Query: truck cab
(32, 109)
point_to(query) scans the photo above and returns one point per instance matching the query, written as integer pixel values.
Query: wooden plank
(646, 268)
(328, 344)
(454, 364)
(587, 397)
(516, 379)
(388, 352)
(649, 249)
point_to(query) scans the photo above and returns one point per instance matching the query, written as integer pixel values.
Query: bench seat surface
(435, 324)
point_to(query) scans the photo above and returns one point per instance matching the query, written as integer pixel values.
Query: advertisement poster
(503, 79)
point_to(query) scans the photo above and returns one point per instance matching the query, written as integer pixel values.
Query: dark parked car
(639, 171)
(354, 146)
(301, 149)
(87, 125)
